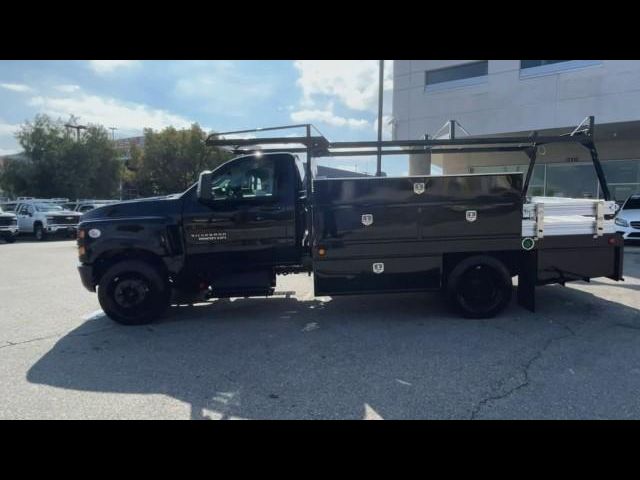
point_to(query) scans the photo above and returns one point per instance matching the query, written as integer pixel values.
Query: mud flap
(527, 280)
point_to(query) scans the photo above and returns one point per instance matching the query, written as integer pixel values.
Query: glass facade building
(576, 179)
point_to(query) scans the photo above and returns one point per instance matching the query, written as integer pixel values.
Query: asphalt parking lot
(294, 356)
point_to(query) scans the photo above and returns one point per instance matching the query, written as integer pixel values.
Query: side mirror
(204, 187)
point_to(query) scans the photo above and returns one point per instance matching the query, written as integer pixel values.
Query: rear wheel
(133, 292)
(479, 287)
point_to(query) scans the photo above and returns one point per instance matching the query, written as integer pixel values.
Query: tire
(39, 232)
(133, 292)
(9, 238)
(479, 287)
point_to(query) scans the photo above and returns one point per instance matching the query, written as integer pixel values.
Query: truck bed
(393, 234)
(404, 226)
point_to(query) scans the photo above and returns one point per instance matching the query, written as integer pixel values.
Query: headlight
(622, 222)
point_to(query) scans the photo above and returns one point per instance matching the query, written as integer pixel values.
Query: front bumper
(61, 228)
(86, 277)
(628, 233)
(9, 230)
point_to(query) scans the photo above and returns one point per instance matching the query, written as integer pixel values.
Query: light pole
(77, 129)
(380, 91)
(113, 133)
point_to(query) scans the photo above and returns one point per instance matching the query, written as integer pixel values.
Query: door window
(252, 177)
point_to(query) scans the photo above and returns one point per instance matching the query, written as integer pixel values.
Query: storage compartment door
(370, 275)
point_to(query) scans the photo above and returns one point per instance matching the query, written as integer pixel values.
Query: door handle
(277, 208)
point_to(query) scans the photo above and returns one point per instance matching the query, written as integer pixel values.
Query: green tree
(58, 164)
(172, 160)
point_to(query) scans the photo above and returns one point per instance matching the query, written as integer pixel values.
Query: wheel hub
(131, 292)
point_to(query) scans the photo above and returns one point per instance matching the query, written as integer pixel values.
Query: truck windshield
(43, 207)
(632, 204)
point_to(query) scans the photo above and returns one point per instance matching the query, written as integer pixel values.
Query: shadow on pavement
(393, 356)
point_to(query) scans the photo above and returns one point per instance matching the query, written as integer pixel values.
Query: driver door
(250, 221)
(25, 220)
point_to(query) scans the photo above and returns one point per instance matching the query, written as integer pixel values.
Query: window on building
(623, 178)
(573, 180)
(536, 183)
(539, 63)
(533, 68)
(576, 180)
(458, 75)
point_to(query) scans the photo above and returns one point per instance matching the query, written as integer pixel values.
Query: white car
(43, 218)
(8, 226)
(628, 218)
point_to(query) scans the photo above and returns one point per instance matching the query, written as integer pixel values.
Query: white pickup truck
(44, 218)
(8, 226)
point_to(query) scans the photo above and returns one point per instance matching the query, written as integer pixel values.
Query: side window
(247, 178)
(32, 209)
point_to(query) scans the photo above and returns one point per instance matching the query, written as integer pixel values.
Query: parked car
(628, 218)
(44, 218)
(8, 226)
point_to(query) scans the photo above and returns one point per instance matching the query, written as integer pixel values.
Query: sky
(339, 97)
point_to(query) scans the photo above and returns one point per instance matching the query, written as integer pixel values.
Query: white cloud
(109, 112)
(328, 117)
(8, 151)
(8, 141)
(16, 87)
(108, 66)
(67, 88)
(221, 87)
(8, 129)
(353, 82)
(387, 126)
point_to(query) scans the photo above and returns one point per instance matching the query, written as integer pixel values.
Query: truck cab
(228, 235)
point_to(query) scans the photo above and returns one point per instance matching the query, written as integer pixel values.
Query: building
(123, 146)
(516, 97)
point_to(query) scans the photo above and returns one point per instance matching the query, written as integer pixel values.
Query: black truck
(262, 214)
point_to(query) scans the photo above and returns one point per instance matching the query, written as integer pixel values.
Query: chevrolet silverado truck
(43, 219)
(262, 214)
(8, 226)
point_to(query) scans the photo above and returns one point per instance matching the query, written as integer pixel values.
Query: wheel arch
(111, 257)
(510, 258)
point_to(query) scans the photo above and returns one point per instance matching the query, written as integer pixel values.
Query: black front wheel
(132, 292)
(9, 238)
(479, 287)
(39, 232)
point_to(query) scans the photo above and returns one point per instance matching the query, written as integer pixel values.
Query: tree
(56, 164)
(172, 160)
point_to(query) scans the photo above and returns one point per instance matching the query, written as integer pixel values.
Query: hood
(143, 207)
(7, 214)
(630, 215)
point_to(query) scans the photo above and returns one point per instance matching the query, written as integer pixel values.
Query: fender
(147, 233)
